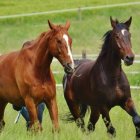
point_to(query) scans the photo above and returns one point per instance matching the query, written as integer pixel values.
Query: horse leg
(53, 111)
(75, 110)
(94, 116)
(129, 107)
(106, 118)
(2, 108)
(32, 110)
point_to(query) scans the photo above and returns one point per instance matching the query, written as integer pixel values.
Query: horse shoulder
(124, 85)
(123, 82)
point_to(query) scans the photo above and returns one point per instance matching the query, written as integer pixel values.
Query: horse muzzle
(128, 60)
(68, 68)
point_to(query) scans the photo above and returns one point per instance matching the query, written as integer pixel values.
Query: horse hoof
(55, 130)
(80, 124)
(90, 127)
(34, 128)
(88, 132)
(83, 129)
(112, 132)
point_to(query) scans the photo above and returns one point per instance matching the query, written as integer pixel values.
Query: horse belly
(96, 96)
(83, 94)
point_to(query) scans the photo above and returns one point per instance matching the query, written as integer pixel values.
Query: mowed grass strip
(86, 30)
(9, 7)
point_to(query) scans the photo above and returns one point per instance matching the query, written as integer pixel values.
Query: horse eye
(59, 41)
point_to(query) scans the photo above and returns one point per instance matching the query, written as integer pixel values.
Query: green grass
(120, 119)
(134, 79)
(87, 34)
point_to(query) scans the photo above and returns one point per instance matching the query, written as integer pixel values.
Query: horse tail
(69, 118)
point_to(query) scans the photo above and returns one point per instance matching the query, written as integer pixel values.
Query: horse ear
(67, 25)
(52, 26)
(128, 22)
(113, 22)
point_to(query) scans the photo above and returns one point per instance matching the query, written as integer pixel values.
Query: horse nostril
(129, 58)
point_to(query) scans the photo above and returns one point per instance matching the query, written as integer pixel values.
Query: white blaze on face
(68, 48)
(123, 31)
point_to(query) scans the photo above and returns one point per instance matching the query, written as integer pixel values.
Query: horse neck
(110, 61)
(43, 58)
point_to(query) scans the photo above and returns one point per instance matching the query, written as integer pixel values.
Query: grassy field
(9, 7)
(120, 119)
(87, 31)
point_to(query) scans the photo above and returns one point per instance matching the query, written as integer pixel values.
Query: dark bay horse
(26, 77)
(102, 84)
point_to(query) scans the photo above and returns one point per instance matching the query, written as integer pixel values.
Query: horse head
(60, 45)
(122, 38)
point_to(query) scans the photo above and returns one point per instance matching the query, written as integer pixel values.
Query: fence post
(79, 14)
(84, 56)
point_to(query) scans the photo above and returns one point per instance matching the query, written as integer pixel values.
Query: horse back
(7, 63)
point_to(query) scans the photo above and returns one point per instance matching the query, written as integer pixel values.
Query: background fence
(89, 21)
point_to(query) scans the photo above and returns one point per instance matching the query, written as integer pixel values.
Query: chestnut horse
(26, 77)
(102, 84)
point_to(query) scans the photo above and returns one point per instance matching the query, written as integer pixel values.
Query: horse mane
(106, 39)
(39, 38)
(32, 43)
(105, 46)
(48, 34)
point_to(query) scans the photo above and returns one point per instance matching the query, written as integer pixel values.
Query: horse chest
(43, 91)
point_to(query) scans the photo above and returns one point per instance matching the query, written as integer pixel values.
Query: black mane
(105, 46)
(106, 38)
(107, 35)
